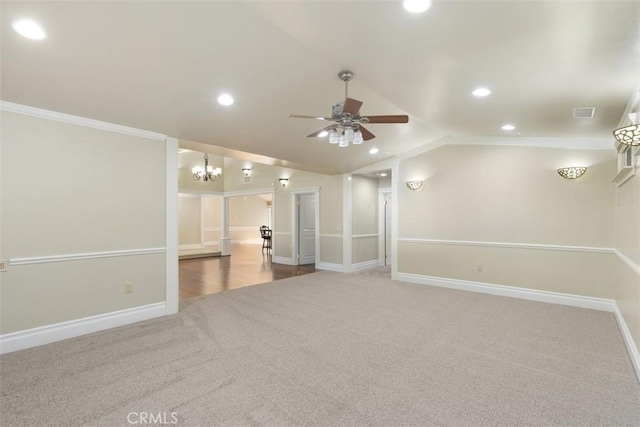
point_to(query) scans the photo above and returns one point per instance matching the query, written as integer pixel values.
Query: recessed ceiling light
(225, 99)
(323, 134)
(416, 6)
(374, 151)
(481, 91)
(508, 127)
(29, 29)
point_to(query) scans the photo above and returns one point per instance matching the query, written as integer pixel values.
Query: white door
(307, 229)
(387, 229)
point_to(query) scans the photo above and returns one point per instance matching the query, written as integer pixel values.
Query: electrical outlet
(128, 288)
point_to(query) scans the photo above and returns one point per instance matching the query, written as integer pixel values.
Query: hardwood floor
(246, 266)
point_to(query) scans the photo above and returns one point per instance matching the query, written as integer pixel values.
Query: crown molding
(79, 121)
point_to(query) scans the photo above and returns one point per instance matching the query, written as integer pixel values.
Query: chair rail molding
(507, 245)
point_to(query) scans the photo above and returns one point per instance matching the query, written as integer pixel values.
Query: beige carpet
(329, 349)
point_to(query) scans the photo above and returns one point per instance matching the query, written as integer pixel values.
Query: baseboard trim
(329, 267)
(283, 260)
(364, 265)
(601, 304)
(61, 331)
(632, 349)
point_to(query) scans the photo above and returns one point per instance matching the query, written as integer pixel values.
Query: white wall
(94, 193)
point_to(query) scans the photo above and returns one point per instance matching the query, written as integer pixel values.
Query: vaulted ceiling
(160, 66)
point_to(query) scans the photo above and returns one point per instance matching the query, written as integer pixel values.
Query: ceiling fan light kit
(348, 127)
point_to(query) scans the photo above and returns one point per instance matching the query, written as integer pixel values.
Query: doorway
(384, 226)
(305, 227)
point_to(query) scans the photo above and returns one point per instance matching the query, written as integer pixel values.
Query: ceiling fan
(348, 121)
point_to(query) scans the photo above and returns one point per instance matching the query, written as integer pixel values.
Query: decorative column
(225, 240)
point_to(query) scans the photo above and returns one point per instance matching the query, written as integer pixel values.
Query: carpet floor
(330, 349)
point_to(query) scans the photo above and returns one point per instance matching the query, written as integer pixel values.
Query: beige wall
(246, 215)
(86, 200)
(627, 243)
(212, 218)
(501, 194)
(189, 212)
(364, 220)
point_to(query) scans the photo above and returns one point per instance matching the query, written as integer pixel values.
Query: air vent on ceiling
(584, 112)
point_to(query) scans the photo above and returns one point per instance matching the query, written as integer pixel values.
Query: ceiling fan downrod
(345, 76)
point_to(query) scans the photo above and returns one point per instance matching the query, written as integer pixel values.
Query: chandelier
(208, 173)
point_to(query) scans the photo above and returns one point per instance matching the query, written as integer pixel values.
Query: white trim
(577, 143)
(632, 349)
(85, 255)
(255, 228)
(171, 228)
(305, 190)
(508, 245)
(364, 265)
(395, 195)
(199, 193)
(79, 121)
(339, 236)
(364, 236)
(382, 193)
(328, 266)
(632, 265)
(601, 304)
(249, 192)
(191, 247)
(186, 195)
(61, 331)
(283, 260)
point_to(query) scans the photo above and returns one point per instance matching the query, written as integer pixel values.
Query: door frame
(382, 192)
(295, 219)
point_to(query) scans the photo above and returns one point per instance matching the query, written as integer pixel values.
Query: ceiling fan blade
(317, 133)
(298, 116)
(366, 135)
(388, 119)
(351, 106)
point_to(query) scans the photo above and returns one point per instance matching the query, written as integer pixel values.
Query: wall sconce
(629, 135)
(284, 181)
(246, 172)
(414, 185)
(572, 172)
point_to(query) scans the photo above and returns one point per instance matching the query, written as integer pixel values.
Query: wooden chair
(265, 233)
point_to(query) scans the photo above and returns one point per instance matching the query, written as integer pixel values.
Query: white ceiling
(159, 66)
